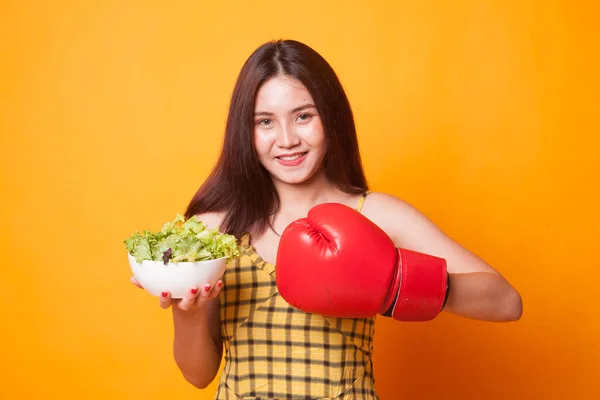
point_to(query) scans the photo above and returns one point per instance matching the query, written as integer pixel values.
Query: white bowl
(176, 278)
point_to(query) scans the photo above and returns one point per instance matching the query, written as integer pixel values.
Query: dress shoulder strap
(361, 201)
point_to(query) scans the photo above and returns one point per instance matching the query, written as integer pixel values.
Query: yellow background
(483, 114)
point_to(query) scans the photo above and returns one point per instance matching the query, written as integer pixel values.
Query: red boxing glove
(337, 263)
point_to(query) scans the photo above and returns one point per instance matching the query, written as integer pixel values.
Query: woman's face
(288, 134)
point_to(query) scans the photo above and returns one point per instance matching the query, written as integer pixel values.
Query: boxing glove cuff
(421, 287)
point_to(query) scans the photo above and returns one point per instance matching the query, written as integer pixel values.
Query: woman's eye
(265, 122)
(303, 117)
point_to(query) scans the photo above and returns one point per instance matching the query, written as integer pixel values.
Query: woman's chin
(299, 178)
(291, 181)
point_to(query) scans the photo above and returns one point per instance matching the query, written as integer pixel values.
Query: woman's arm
(477, 290)
(197, 345)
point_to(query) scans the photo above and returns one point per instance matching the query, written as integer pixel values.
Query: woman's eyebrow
(263, 113)
(295, 110)
(303, 107)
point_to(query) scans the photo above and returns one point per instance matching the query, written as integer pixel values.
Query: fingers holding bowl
(216, 289)
(165, 300)
(135, 282)
(188, 301)
(209, 292)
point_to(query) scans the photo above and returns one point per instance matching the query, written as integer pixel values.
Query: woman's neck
(297, 199)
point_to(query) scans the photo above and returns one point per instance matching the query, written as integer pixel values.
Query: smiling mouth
(291, 157)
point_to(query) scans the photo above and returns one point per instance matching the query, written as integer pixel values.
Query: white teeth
(291, 158)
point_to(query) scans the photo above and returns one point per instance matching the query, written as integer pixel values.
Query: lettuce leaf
(182, 240)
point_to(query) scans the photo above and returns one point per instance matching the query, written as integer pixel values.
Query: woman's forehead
(281, 94)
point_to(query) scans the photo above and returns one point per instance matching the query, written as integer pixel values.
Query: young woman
(290, 144)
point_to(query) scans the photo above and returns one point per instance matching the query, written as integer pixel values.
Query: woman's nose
(287, 137)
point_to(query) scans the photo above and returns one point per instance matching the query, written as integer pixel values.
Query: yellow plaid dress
(275, 351)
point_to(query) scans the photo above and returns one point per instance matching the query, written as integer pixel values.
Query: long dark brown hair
(239, 185)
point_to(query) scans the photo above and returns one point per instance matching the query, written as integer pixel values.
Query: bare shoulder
(381, 207)
(398, 218)
(376, 200)
(411, 229)
(213, 220)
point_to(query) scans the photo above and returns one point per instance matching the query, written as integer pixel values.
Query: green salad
(181, 240)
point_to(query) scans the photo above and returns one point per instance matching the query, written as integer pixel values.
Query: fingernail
(164, 294)
(194, 291)
(219, 283)
(207, 288)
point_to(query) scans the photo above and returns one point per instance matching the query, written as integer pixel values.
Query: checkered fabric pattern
(275, 351)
